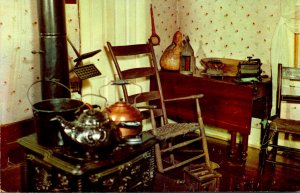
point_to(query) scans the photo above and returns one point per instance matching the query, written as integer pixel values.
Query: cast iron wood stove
(125, 168)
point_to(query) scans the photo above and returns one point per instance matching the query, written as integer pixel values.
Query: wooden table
(226, 103)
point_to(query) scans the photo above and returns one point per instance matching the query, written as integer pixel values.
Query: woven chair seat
(175, 129)
(286, 125)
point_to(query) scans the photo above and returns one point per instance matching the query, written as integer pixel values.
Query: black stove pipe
(53, 48)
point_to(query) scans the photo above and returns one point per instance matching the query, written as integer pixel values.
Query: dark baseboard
(10, 150)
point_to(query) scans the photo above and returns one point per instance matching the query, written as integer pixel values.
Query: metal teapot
(93, 128)
(128, 120)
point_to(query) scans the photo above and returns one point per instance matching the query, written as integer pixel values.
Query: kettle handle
(122, 82)
(105, 104)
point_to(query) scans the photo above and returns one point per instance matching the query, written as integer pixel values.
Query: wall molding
(11, 151)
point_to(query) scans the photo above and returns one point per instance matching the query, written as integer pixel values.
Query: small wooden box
(201, 178)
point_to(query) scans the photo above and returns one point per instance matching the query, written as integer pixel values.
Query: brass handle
(37, 52)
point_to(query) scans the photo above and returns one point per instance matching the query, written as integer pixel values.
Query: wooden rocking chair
(168, 133)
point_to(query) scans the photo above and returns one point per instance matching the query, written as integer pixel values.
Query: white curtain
(282, 50)
(117, 21)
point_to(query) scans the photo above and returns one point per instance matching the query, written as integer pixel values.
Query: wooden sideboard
(226, 103)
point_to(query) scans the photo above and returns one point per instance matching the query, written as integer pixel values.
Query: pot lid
(93, 116)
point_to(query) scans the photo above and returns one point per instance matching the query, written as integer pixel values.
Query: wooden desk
(226, 104)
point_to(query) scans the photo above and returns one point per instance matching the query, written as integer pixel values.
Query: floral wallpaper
(217, 28)
(221, 29)
(19, 66)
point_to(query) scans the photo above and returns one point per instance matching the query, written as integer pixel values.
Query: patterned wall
(221, 28)
(217, 28)
(19, 66)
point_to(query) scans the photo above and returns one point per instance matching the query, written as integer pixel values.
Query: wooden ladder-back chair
(166, 132)
(290, 94)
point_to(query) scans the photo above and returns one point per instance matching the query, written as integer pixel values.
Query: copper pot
(127, 118)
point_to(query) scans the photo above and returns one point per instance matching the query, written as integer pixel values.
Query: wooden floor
(236, 178)
(245, 178)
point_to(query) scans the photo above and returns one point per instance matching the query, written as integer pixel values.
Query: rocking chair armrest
(147, 107)
(198, 96)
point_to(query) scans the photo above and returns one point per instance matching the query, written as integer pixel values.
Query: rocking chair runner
(168, 133)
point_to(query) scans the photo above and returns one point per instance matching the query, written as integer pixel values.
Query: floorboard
(236, 178)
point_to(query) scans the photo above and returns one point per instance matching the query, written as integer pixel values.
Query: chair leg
(159, 162)
(204, 142)
(172, 157)
(158, 157)
(202, 134)
(274, 149)
(262, 159)
(264, 145)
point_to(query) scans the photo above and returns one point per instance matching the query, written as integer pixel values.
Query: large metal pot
(49, 132)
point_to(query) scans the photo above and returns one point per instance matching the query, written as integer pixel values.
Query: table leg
(233, 150)
(245, 147)
(235, 160)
